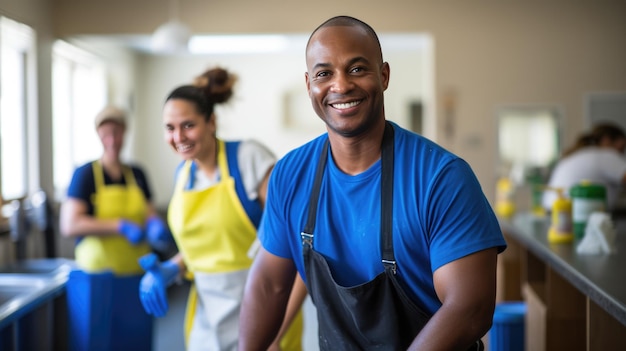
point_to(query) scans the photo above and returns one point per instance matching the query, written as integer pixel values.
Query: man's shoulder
(418, 145)
(82, 182)
(84, 169)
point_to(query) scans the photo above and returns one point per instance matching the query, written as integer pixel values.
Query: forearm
(296, 299)
(467, 289)
(152, 211)
(75, 221)
(88, 225)
(178, 259)
(265, 300)
(453, 328)
(261, 318)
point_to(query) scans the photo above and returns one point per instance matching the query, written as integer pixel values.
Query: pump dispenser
(561, 227)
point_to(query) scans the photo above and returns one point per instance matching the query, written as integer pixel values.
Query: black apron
(376, 315)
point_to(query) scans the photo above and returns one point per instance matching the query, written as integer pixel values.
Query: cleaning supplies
(505, 207)
(561, 227)
(535, 181)
(586, 199)
(599, 235)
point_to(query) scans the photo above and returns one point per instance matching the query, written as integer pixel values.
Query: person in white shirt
(598, 157)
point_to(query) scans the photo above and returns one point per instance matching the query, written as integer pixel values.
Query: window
(79, 92)
(528, 140)
(17, 50)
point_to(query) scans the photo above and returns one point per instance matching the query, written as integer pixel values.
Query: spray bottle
(561, 226)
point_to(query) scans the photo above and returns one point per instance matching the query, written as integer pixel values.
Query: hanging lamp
(172, 36)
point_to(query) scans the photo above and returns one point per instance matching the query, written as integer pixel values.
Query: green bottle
(586, 198)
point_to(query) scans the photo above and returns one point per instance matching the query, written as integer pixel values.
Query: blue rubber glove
(133, 232)
(152, 288)
(158, 234)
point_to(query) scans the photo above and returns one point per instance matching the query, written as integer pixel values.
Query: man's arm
(467, 289)
(296, 299)
(265, 300)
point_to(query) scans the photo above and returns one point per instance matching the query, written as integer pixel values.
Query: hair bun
(217, 83)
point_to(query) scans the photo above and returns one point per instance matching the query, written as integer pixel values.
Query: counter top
(40, 291)
(28, 284)
(601, 277)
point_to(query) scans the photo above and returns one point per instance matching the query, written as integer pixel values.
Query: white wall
(488, 52)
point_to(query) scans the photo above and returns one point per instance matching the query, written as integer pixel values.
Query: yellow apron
(214, 233)
(114, 253)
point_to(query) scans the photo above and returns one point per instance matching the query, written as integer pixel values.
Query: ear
(306, 80)
(385, 72)
(212, 123)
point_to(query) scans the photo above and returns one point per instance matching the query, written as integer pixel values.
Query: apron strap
(222, 162)
(386, 188)
(307, 234)
(98, 175)
(386, 198)
(129, 176)
(222, 166)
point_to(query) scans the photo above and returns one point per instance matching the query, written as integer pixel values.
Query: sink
(21, 294)
(27, 284)
(13, 289)
(45, 267)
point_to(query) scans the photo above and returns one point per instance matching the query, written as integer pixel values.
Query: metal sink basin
(26, 285)
(45, 267)
(20, 294)
(13, 289)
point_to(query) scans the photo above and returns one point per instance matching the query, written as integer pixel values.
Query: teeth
(183, 148)
(346, 105)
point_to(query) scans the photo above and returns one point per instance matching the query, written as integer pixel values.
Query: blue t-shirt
(83, 185)
(440, 214)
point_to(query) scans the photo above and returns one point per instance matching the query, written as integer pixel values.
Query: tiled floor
(168, 335)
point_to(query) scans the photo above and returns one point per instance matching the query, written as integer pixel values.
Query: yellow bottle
(505, 207)
(561, 229)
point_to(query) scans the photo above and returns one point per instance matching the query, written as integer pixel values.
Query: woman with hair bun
(213, 214)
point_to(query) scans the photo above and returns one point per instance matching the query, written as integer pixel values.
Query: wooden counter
(575, 302)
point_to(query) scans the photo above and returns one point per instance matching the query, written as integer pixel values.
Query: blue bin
(507, 331)
(105, 313)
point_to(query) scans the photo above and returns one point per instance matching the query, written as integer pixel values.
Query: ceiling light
(237, 44)
(173, 36)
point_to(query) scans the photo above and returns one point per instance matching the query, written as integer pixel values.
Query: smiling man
(392, 234)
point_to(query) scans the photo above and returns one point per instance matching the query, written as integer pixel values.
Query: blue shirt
(83, 185)
(440, 214)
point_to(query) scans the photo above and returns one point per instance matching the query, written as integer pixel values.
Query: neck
(208, 164)
(354, 155)
(112, 166)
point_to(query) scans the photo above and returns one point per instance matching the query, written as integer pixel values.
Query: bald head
(347, 21)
